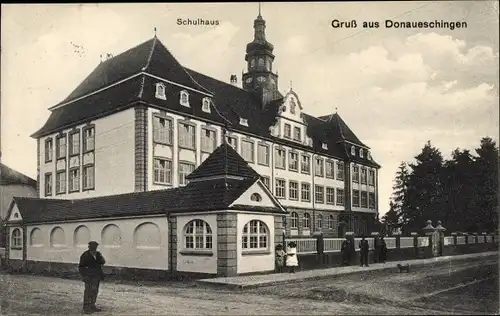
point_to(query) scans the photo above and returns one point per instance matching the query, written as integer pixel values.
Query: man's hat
(93, 243)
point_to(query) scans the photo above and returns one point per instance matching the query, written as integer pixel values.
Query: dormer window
(353, 150)
(361, 154)
(274, 130)
(368, 155)
(309, 141)
(205, 106)
(184, 98)
(160, 91)
(324, 146)
(256, 197)
(243, 122)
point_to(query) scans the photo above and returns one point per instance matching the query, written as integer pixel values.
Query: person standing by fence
(364, 247)
(280, 258)
(346, 252)
(383, 250)
(291, 256)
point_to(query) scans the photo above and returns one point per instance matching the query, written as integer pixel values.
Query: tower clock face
(261, 79)
(249, 80)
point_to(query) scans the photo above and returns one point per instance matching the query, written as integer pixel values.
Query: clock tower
(259, 57)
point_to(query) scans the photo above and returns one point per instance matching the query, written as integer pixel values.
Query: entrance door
(341, 230)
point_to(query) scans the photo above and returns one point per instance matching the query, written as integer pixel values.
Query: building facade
(142, 122)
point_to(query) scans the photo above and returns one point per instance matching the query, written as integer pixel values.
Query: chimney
(234, 80)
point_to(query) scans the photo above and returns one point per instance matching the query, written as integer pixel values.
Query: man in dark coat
(364, 247)
(90, 268)
(346, 252)
(383, 250)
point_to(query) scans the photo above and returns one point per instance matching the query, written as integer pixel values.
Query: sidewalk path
(272, 279)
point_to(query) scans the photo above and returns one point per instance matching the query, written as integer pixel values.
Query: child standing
(291, 256)
(280, 258)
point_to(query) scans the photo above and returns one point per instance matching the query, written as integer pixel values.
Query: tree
(399, 201)
(391, 219)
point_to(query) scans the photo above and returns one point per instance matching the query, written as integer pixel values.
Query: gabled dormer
(184, 98)
(160, 91)
(205, 105)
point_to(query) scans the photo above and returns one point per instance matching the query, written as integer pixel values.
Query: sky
(395, 88)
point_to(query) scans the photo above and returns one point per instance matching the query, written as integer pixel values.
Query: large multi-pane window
(296, 134)
(364, 199)
(48, 184)
(330, 195)
(329, 169)
(306, 221)
(198, 235)
(319, 222)
(355, 174)
(318, 168)
(187, 136)
(280, 157)
(371, 177)
(280, 188)
(88, 139)
(247, 150)
(294, 220)
(306, 164)
(162, 130)
(61, 182)
(74, 145)
(363, 175)
(305, 192)
(208, 140)
(371, 200)
(266, 181)
(293, 161)
(255, 235)
(288, 131)
(49, 149)
(340, 171)
(74, 179)
(88, 177)
(162, 171)
(61, 146)
(293, 190)
(340, 196)
(319, 194)
(355, 198)
(185, 168)
(263, 154)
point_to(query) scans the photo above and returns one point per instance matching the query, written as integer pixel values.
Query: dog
(404, 268)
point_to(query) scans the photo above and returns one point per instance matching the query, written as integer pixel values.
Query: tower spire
(259, 8)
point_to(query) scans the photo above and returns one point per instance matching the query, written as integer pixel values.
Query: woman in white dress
(291, 256)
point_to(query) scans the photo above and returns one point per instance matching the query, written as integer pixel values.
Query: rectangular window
(296, 134)
(319, 194)
(74, 180)
(187, 136)
(48, 184)
(329, 169)
(340, 171)
(293, 161)
(267, 182)
(371, 200)
(371, 178)
(88, 139)
(61, 182)
(162, 171)
(364, 199)
(288, 131)
(355, 174)
(306, 164)
(162, 130)
(280, 158)
(293, 190)
(305, 192)
(355, 198)
(263, 154)
(49, 149)
(363, 175)
(247, 150)
(208, 140)
(185, 168)
(330, 195)
(232, 141)
(340, 197)
(280, 188)
(88, 177)
(318, 168)
(74, 146)
(61, 147)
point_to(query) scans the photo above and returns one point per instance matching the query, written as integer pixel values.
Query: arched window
(353, 150)
(319, 221)
(295, 220)
(36, 237)
(16, 239)
(197, 235)
(261, 62)
(330, 222)
(160, 91)
(111, 236)
(252, 63)
(306, 223)
(256, 197)
(81, 236)
(184, 99)
(255, 235)
(57, 237)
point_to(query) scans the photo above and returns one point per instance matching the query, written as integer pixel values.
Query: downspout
(313, 190)
(170, 244)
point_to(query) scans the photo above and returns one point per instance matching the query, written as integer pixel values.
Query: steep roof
(224, 160)
(9, 176)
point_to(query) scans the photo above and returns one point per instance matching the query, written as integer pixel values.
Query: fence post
(398, 239)
(375, 247)
(466, 238)
(454, 238)
(353, 257)
(415, 242)
(484, 237)
(475, 238)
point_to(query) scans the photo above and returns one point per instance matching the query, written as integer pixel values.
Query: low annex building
(224, 222)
